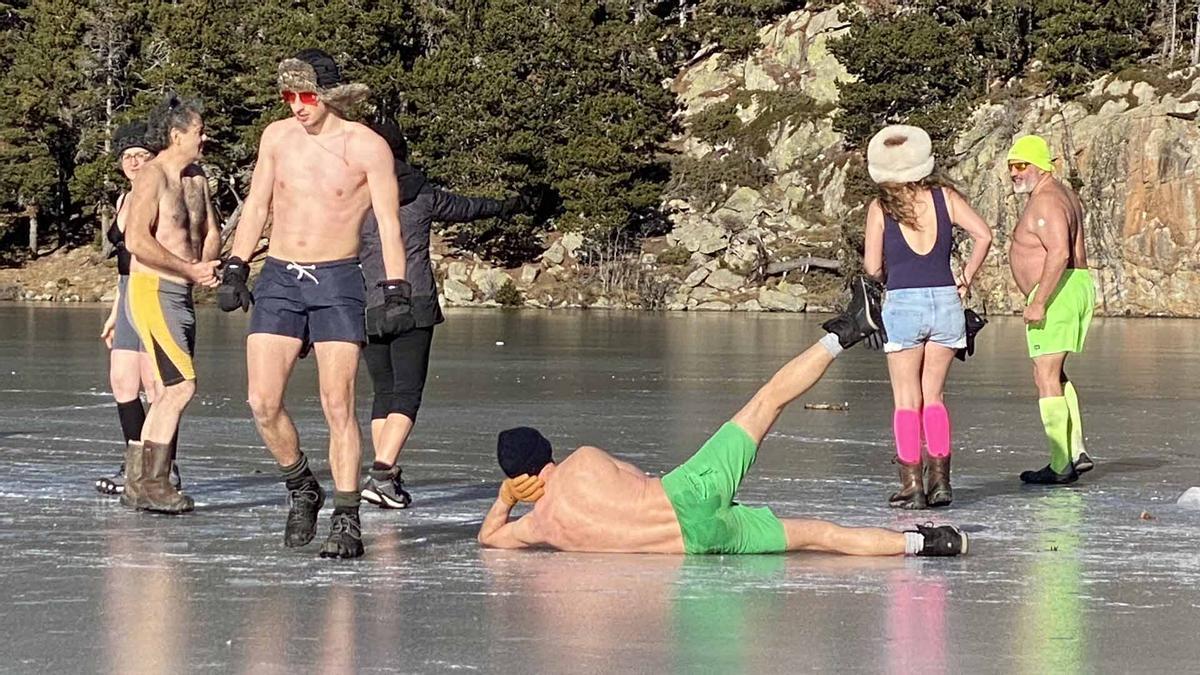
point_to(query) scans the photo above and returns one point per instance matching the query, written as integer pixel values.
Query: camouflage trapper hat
(314, 70)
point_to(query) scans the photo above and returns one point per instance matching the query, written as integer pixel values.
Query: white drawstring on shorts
(303, 271)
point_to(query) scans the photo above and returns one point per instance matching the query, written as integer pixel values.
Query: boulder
(778, 301)
(456, 292)
(725, 280)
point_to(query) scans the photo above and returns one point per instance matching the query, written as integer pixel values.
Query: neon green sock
(1077, 448)
(1056, 420)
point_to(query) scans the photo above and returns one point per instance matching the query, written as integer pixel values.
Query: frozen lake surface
(1058, 580)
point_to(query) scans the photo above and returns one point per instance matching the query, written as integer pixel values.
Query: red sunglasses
(306, 97)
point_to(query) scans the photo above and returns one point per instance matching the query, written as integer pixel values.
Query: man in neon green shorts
(1049, 263)
(592, 501)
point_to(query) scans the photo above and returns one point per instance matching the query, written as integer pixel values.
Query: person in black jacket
(398, 365)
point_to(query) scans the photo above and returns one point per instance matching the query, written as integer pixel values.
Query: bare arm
(143, 210)
(385, 201)
(963, 215)
(497, 532)
(873, 242)
(258, 202)
(1049, 225)
(212, 231)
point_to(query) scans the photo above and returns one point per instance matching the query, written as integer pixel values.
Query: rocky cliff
(767, 202)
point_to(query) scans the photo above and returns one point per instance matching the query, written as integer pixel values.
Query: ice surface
(1059, 580)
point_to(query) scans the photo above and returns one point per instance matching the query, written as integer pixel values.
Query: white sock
(830, 342)
(913, 543)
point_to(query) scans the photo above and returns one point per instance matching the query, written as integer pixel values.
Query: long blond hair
(897, 199)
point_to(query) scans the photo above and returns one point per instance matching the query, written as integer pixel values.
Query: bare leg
(337, 365)
(151, 386)
(1048, 374)
(389, 437)
(163, 418)
(820, 535)
(904, 370)
(269, 363)
(124, 374)
(795, 378)
(933, 375)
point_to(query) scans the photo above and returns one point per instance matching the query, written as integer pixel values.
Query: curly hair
(896, 199)
(174, 113)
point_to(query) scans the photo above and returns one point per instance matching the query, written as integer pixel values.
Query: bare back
(171, 226)
(597, 503)
(320, 194)
(1053, 205)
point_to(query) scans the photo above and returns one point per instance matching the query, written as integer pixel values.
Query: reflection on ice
(1068, 580)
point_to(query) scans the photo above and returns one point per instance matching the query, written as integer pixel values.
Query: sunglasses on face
(1019, 166)
(306, 97)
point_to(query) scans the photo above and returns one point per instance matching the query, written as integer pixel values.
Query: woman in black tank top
(909, 241)
(129, 369)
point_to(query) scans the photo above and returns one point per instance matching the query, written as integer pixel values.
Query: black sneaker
(305, 501)
(345, 536)
(385, 489)
(1083, 463)
(112, 485)
(942, 540)
(863, 315)
(1048, 476)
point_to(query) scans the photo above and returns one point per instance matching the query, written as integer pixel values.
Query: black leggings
(398, 368)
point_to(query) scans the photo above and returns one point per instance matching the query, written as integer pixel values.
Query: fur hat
(900, 154)
(314, 70)
(127, 136)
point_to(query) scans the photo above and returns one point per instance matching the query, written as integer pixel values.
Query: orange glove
(523, 488)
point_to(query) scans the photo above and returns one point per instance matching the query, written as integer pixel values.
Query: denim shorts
(914, 316)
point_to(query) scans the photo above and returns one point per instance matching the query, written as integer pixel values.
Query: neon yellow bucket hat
(1034, 150)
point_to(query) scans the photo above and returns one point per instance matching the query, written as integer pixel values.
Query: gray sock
(913, 543)
(346, 500)
(830, 342)
(295, 474)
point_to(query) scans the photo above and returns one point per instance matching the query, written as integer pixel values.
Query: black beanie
(323, 65)
(132, 135)
(523, 450)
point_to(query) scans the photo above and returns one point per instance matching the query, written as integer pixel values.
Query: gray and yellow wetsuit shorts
(701, 490)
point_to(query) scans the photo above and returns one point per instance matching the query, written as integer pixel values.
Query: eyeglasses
(1019, 166)
(306, 97)
(143, 156)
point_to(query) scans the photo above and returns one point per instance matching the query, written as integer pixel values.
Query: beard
(1022, 187)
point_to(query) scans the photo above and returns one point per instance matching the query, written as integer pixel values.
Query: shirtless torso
(1054, 210)
(319, 187)
(158, 196)
(597, 503)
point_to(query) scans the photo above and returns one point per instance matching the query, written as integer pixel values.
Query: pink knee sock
(937, 430)
(907, 426)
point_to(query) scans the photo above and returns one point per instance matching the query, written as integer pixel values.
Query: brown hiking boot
(134, 494)
(912, 488)
(939, 493)
(159, 494)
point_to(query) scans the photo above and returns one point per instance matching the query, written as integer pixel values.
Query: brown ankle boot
(912, 488)
(939, 493)
(134, 494)
(160, 495)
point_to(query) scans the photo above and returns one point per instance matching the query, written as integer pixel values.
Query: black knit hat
(132, 135)
(324, 67)
(523, 450)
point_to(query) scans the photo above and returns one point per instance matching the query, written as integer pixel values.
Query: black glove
(975, 323)
(876, 340)
(233, 292)
(394, 317)
(517, 204)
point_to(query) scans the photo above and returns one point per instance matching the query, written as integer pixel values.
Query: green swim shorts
(701, 490)
(1068, 315)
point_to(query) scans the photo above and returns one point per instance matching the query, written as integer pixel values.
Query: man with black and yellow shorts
(594, 502)
(167, 249)
(1049, 264)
